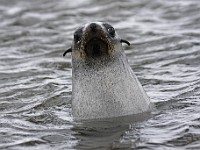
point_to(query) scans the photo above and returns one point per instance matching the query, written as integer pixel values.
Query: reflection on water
(35, 80)
(108, 133)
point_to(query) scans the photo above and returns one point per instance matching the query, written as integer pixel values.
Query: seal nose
(93, 27)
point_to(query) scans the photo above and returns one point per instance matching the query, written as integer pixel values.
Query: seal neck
(100, 64)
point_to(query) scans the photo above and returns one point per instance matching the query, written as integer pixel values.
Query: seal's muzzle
(96, 47)
(96, 44)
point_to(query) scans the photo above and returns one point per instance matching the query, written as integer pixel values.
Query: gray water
(35, 80)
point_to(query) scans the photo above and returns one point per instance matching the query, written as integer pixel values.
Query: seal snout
(96, 47)
(96, 41)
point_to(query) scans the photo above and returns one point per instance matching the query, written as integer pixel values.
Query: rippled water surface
(35, 80)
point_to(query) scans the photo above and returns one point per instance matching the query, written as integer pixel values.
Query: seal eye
(111, 31)
(77, 38)
(78, 34)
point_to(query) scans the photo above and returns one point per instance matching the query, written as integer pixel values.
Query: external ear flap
(125, 41)
(67, 51)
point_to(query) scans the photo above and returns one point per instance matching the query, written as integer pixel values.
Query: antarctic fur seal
(103, 83)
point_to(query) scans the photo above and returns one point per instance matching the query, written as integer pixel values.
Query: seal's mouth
(96, 47)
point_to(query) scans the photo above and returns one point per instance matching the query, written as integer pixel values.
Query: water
(35, 80)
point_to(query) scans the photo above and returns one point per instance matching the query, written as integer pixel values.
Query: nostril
(93, 27)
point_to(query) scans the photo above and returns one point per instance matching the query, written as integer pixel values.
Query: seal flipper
(67, 51)
(125, 41)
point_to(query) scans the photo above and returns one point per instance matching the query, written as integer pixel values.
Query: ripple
(35, 80)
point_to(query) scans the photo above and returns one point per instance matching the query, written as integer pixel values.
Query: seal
(103, 83)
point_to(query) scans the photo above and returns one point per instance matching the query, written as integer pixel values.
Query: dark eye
(77, 38)
(77, 35)
(111, 31)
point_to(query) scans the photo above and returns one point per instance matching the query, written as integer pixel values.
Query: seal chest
(103, 83)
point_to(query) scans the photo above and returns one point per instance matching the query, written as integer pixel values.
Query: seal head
(94, 41)
(103, 83)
